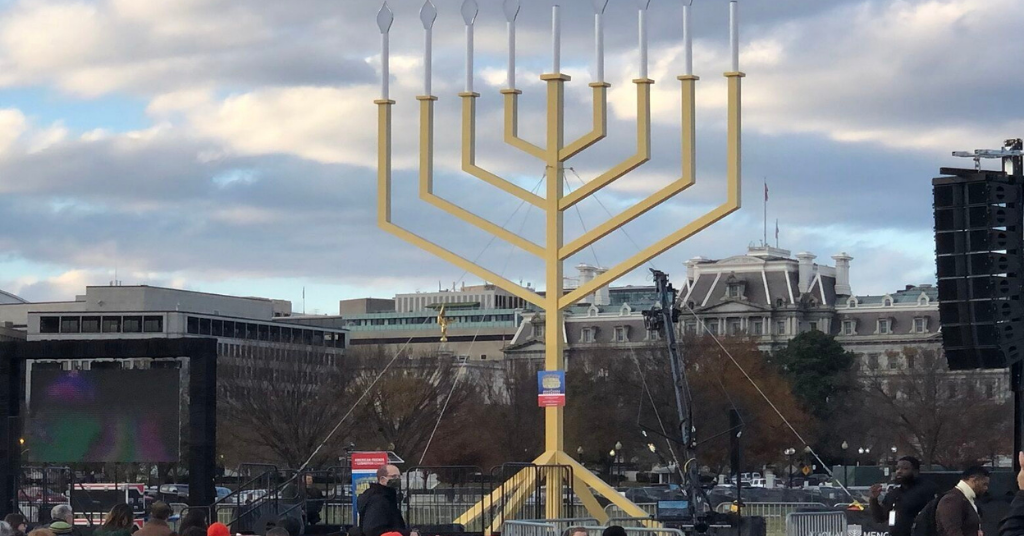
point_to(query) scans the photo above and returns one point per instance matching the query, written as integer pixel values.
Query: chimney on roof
(806, 271)
(843, 274)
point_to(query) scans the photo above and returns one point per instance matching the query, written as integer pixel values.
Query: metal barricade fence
(637, 531)
(816, 524)
(563, 525)
(774, 514)
(528, 528)
(637, 522)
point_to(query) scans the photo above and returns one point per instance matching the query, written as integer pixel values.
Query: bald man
(378, 505)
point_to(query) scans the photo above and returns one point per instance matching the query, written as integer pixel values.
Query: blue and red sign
(551, 388)
(364, 473)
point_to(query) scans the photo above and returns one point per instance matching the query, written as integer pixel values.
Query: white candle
(734, 36)
(511, 9)
(384, 19)
(427, 16)
(599, 7)
(426, 61)
(384, 74)
(643, 39)
(469, 11)
(510, 77)
(687, 41)
(556, 39)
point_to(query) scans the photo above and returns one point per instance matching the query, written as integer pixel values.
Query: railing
(774, 514)
(816, 524)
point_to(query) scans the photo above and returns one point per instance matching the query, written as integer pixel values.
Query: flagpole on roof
(764, 241)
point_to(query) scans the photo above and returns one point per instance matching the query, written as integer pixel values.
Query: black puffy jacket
(379, 512)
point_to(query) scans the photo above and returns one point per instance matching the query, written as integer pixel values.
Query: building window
(887, 302)
(735, 327)
(192, 325)
(951, 388)
(734, 291)
(111, 324)
(712, 326)
(757, 327)
(133, 324)
(587, 335)
(873, 361)
(813, 326)
(620, 334)
(90, 324)
(894, 362)
(70, 324)
(653, 335)
(910, 361)
(990, 390)
(847, 327)
(49, 324)
(884, 326)
(920, 325)
(690, 327)
(538, 330)
(205, 326)
(153, 324)
(780, 327)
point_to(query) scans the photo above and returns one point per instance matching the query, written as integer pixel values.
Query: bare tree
(278, 404)
(942, 417)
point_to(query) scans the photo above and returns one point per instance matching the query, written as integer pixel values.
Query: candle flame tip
(384, 18)
(469, 11)
(428, 14)
(511, 9)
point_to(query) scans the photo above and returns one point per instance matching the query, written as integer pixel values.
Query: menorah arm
(600, 129)
(384, 214)
(643, 149)
(732, 204)
(687, 179)
(512, 125)
(427, 184)
(469, 155)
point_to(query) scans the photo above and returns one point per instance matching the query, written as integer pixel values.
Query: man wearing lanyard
(902, 504)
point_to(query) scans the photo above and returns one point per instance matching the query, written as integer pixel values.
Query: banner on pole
(551, 388)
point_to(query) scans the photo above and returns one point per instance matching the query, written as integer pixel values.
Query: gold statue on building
(442, 322)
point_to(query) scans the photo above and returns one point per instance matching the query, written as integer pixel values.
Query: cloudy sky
(229, 145)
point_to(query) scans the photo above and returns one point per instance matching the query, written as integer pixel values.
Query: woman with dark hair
(193, 518)
(119, 522)
(18, 523)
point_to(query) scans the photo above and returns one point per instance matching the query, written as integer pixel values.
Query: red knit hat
(218, 529)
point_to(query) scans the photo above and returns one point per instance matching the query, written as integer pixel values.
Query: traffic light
(980, 268)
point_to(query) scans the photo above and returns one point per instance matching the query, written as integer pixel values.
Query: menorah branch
(384, 214)
(512, 125)
(600, 129)
(427, 184)
(733, 202)
(469, 155)
(643, 149)
(687, 179)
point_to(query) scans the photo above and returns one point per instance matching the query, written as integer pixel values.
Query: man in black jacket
(902, 504)
(378, 505)
(1013, 523)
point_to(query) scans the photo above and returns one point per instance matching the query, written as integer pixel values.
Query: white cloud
(12, 126)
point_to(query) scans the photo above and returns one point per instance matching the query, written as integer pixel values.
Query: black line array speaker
(202, 436)
(980, 268)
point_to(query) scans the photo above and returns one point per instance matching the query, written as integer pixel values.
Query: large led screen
(103, 416)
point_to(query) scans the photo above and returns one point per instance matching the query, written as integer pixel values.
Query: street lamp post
(622, 458)
(579, 453)
(789, 454)
(846, 464)
(614, 454)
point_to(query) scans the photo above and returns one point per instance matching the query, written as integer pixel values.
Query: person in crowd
(5, 529)
(314, 501)
(278, 531)
(290, 524)
(157, 525)
(218, 529)
(415, 531)
(614, 530)
(957, 511)
(576, 531)
(42, 532)
(901, 505)
(62, 521)
(193, 518)
(194, 531)
(119, 522)
(18, 523)
(1013, 523)
(378, 505)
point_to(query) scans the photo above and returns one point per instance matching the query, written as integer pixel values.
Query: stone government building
(770, 296)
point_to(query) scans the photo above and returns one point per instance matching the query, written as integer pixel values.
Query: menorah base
(550, 468)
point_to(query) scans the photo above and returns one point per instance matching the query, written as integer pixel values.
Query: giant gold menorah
(554, 153)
